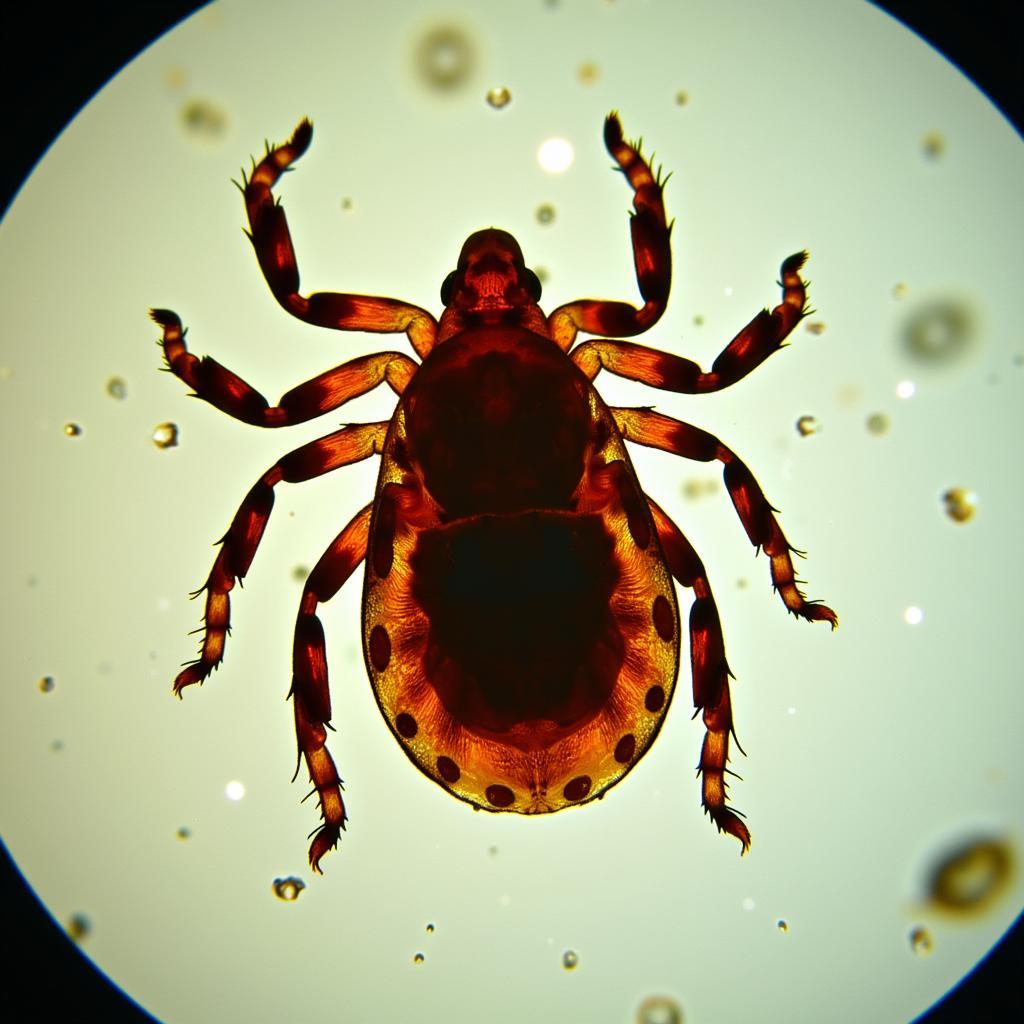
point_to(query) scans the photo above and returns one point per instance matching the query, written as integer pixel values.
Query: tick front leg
(272, 241)
(645, 427)
(239, 544)
(310, 693)
(652, 254)
(710, 675)
(226, 391)
(764, 335)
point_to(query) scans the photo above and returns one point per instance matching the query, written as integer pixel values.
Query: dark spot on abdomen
(520, 624)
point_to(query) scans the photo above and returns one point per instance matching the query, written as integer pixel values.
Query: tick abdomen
(520, 623)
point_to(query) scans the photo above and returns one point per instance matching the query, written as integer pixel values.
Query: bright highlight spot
(555, 155)
(234, 790)
(748, 904)
(913, 615)
(905, 389)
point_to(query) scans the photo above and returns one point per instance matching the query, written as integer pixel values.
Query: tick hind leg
(239, 544)
(310, 693)
(764, 335)
(272, 241)
(646, 427)
(652, 254)
(226, 391)
(710, 675)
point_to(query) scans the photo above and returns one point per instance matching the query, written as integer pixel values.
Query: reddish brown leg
(310, 692)
(643, 426)
(751, 347)
(272, 241)
(710, 675)
(652, 254)
(239, 544)
(226, 391)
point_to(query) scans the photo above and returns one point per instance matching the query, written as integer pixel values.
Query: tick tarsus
(492, 316)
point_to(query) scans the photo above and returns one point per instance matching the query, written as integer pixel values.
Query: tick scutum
(520, 623)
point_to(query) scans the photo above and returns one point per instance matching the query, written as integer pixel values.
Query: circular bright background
(883, 761)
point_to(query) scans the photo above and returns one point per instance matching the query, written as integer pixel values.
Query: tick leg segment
(272, 241)
(710, 674)
(643, 426)
(310, 693)
(226, 391)
(239, 544)
(652, 254)
(751, 347)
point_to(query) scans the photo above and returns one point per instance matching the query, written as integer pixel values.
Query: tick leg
(652, 254)
(226, 391)
(310, 693)
(239, 544)
(643, 426)
(751, 347)
(710, 674)
(272, 241)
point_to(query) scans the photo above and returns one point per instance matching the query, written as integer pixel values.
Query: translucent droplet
(933, 145)
(204, 120)
(46, 684)
(961, 504)
(807, 425)
(288, 889)
(877, 423)
(588, 73)
(659, 1010)
(499, 97)
(117, 388)
(570, 958)
(418, 958)
(545, 213)
(782, 925)
(430, 929)
(445, 58)
(682, 98)
(166, 435)
(72, 430)
(815, 327)
(920, 941)
(972, 875)
(79, 927)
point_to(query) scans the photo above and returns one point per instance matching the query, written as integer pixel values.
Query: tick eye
(446, 288)
(531, 282)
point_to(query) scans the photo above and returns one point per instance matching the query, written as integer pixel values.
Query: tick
(519, 625)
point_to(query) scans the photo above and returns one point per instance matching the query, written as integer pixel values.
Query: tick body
(520, 625)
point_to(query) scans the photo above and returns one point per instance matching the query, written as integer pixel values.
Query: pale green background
(803, 129)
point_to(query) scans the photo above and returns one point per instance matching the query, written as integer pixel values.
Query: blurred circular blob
(807, 425)
(499, 97)
(939, 333)
(202, 119)
(570, 959)
(73, 429)
(971, 876)
(588, 73)
(545, 213)
(418, 958)
(445, 58)
(659, 1010)
(920, 941)
(46, 684)
(782, 925)
(166, 435)
(877, 423)
(961, 504)
(117, 388)
(288, 889)
(815, 326)
(682, 98)
(79, 927)
(933, 145)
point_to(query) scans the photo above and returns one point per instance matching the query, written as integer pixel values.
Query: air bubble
(555, 155)
(659, 1010)
(288, 889)
(445, 58)
(499, 97)
(939, 333)
(117, 388)
(234, 790)
(913, 616)
(46, 684)
(782, 925)
(570, 959)
(73, 429)
(545, 213)
(920, 941)
(971, 876)
(807, 425)
(430, 929)
(418, 958)
(961, 504)
(166, 435)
